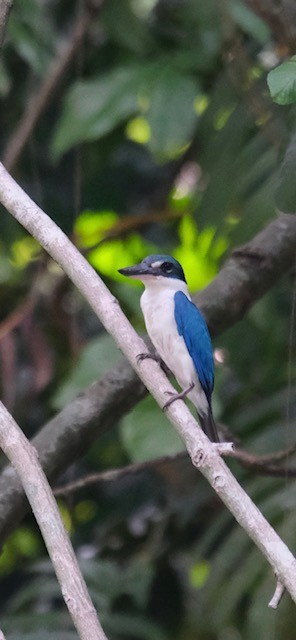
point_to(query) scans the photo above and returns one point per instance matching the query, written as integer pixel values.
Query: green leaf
(97, 357)
(124, 27)
(282, 82)
(91, 228)
(171, 112)
(147, 434)
(30, 31)
(93, 108)
(248, 21)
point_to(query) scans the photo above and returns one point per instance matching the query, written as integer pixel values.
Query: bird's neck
(157, 286)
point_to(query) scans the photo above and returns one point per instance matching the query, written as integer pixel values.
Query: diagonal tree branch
(24, 459)
(69, 434)
(204, 455)
(246, 276)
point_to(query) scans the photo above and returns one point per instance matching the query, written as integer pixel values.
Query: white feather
(158, 307)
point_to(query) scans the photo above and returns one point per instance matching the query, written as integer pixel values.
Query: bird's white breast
(158, 307)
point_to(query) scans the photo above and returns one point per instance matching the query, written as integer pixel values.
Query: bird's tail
(209, 426)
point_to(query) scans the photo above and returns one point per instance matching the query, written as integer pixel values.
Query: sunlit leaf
(199, 573)
(91, 226)
(115, 254)
(138, 130)
(24, 251)
(199, 253)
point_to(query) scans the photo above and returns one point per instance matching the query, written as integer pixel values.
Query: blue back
(192, 326)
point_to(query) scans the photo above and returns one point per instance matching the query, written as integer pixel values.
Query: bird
(179, 333)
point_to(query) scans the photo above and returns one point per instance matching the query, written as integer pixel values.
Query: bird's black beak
(137, 270)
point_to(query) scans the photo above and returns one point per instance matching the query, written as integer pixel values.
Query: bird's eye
(167, 267)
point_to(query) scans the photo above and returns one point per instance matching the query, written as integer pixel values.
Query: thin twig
(253, 463)
(277, 596)
(25, 461)
(114, 474)
(203, 454)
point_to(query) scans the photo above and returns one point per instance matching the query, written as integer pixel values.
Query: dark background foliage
(144, 126)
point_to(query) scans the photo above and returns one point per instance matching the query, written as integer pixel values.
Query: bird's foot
(177, 396)
(150, 356)
(156, 358)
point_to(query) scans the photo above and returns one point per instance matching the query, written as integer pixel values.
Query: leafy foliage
(175, 146)
(282, 82)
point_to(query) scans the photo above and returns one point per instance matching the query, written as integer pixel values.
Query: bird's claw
(145, 356)
(177, 396)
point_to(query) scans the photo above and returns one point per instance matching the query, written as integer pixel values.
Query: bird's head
(158, 268)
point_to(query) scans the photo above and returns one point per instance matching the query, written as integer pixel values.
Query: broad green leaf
(93, 108)
(29, 29)
(282, 82)
(171, 113)
(146, 433)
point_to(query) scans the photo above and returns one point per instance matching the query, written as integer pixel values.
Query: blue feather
(192, 327)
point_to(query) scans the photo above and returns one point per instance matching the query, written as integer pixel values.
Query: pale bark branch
(277, 596)
(5, 8)
(24, 459)
(69, 434)
(203, 454)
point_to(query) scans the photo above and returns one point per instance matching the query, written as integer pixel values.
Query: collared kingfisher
(178, 332)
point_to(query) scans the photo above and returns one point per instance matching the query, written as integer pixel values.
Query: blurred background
(145, 126)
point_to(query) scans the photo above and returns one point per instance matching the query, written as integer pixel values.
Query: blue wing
(192, 326)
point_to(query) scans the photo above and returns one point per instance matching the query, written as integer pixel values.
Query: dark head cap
(156, 265)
